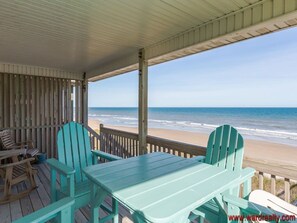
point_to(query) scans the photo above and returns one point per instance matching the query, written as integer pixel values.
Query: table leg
(222, 218)
(226, 209)
(232, 210)
(115, 209)
(97, 197)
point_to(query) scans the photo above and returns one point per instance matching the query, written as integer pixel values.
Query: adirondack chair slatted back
(74, 148)
(225, 148)
(6, 139)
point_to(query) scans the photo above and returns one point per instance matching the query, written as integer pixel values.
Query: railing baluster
(118, 146)
(130, 148)
(287, 190)
(133, 148)
(261, 180)
(273, 185)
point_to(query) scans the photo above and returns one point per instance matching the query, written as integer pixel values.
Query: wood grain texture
(152, 183)
(35, 107)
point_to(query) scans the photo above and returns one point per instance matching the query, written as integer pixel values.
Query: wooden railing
(120, 143)
(95, 138)
(279, 179)
(126, 144)
(156, 144)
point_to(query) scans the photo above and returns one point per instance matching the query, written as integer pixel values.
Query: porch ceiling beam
(256, 19)
(9, 68)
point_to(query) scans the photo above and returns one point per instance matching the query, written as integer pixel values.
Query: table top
(161, 186)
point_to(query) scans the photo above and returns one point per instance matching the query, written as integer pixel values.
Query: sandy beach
(254, 149)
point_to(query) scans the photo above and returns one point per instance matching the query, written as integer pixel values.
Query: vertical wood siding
(35, 107)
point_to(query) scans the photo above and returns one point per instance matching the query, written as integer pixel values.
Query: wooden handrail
(95, 138)
(273, 168)
(117, 132)
(92, 131)
(180, 146)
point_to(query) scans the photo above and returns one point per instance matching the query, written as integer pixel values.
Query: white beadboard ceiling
(102, 37)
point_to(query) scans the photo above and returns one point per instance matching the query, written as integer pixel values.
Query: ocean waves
(277, 134)
(269, 124)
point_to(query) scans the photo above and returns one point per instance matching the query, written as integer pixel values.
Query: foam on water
(277, 125)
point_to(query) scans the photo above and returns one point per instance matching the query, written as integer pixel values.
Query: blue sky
(259, 72)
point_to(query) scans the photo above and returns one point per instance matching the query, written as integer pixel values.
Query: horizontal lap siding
(35, 107)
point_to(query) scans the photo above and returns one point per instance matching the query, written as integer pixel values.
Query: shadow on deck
(41, 197)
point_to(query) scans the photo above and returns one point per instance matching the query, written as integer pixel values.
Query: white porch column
(85, 101)
(142, 101)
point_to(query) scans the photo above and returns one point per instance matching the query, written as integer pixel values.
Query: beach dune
(254, 149)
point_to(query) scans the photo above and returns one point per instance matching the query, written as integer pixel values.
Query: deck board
(40, 197)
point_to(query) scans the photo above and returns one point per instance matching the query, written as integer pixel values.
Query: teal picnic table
(160, 187)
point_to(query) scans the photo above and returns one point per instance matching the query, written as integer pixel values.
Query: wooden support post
(85, 101)
(77, 101)
(142, 101)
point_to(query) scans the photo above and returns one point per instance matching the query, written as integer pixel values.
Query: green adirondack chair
(74, 154)
(61, 210)
(225, 150)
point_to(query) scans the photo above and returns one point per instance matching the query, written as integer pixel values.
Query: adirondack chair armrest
(242, 204)
(246, 206)
(200, 159)
(4, 157)
(245, 178)
(60, 167)
(17, 147)
(51, 211)
(17, 163)
(106, 156)
(247, 173)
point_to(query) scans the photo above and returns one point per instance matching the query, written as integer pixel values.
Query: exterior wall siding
(34, 107)
(38, 71)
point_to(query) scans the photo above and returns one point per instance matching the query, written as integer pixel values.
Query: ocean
(269, 124)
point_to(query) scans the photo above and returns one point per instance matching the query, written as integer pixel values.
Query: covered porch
(50, 51)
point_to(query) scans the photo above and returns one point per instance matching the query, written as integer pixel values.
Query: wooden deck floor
(40, 198)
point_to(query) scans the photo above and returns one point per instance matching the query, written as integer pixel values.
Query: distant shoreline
(265, 124)
(254, 149)
(201, 107)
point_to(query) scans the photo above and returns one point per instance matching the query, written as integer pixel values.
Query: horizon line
(199, 107)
